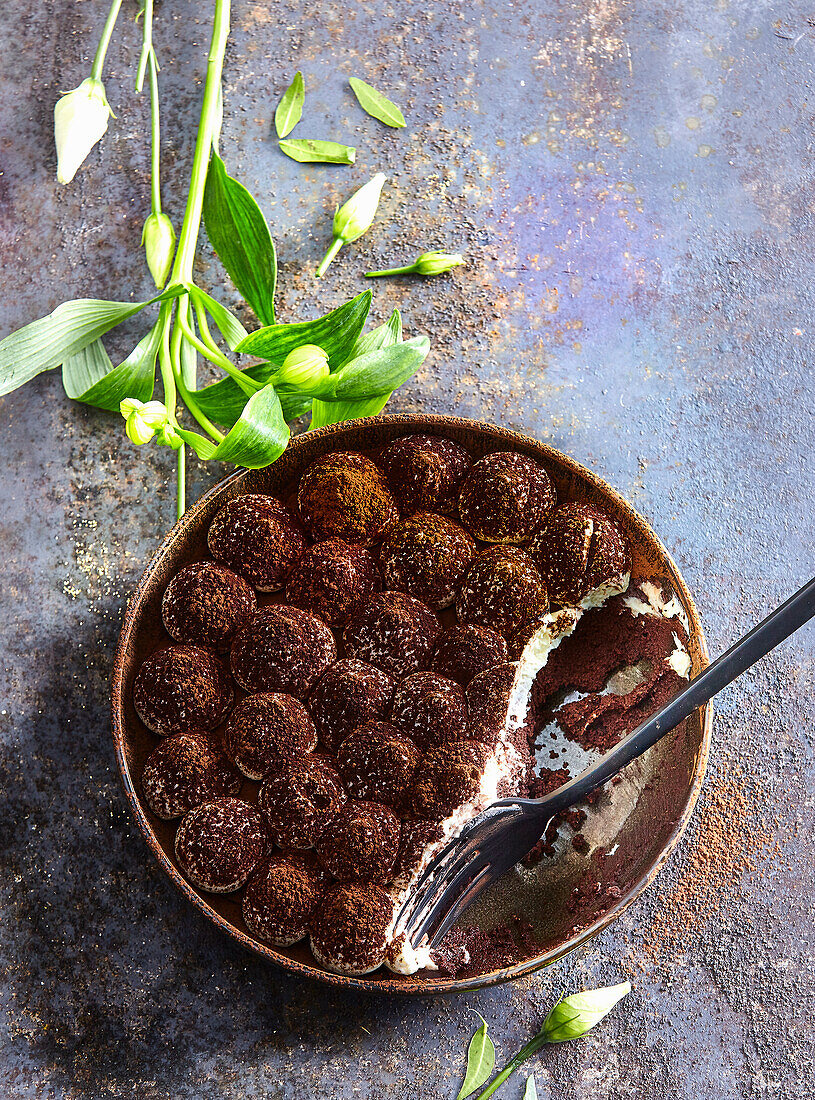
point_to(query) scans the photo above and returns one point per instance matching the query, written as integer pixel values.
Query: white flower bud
(80, 120)
(158, 238)
(142, 419)
(304, 367)
(356, 215)
(437, 263)
(575, 1015)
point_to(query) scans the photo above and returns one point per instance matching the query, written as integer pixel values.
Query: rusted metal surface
(632, 184)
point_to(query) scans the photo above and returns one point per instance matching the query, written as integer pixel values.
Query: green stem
(216, 356)
(336, 245)
(104, 41)
(532, 1047)
(391, 271)
(147, 44)
(181, 482)
(182, 268)
(155, 139)
(189, 400)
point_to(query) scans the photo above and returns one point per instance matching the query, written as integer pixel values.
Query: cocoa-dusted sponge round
(377, 762)
(348, 695)
(359, 841)
(447, 777)
(266, 731)
(333, 580)
(425, 473)
(395, 632)
(282, 649)
(488, 697)
(219, 844)
(259, 538)
(578, 550)
(343, 495)
(182, 687)
(501, 590)
(297, 801)
(427, 555)
(416, 836)
(506, 498)
(431, 709)
(349, 928)
(280, 899)
(205, 603)
(465, 649)
(185, 770)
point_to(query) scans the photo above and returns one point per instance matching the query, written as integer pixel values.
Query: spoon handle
(771, 631)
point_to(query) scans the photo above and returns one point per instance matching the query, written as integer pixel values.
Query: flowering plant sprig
(354, 218)
(571, 1018)
(429, 263)
(327, 366)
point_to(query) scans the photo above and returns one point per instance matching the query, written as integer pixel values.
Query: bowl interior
(567, 899)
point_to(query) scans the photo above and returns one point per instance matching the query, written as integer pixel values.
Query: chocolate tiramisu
(364, 668)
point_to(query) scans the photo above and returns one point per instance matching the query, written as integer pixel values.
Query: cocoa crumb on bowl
(377, 763)
(182, 687)
(579, 549)
(333, 580)
(349, 694)
(395, 632)
(184, 770)
(464, 650)
(349, 926)
(343, 495)
(501, 590)
(282, 649)
(426, 556)
(359, 841)
(506, 497)
(219, 844)
(430, 709)
(281, 897)
(469, 952)
(297, 800)
(425, 473)
(447, 777)
(205, 603)
(266, 731)
(257, 537)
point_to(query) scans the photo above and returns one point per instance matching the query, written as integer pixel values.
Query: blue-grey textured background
(632, 183)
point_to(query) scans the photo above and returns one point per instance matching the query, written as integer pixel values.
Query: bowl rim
(423, 986)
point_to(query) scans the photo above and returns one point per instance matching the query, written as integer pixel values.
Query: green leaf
(383, 336)
(290, 108)
(530, 1092)
(294, 404)
(336, 333)
(258, 439)
(233, 331)
(314, 151)
(480, 1061)
(380, 371)
(375, 104)
(90, 377)
(48, 342)
(239, 234)
(336, 412)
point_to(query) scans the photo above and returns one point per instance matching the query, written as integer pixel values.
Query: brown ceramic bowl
(644, 819)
